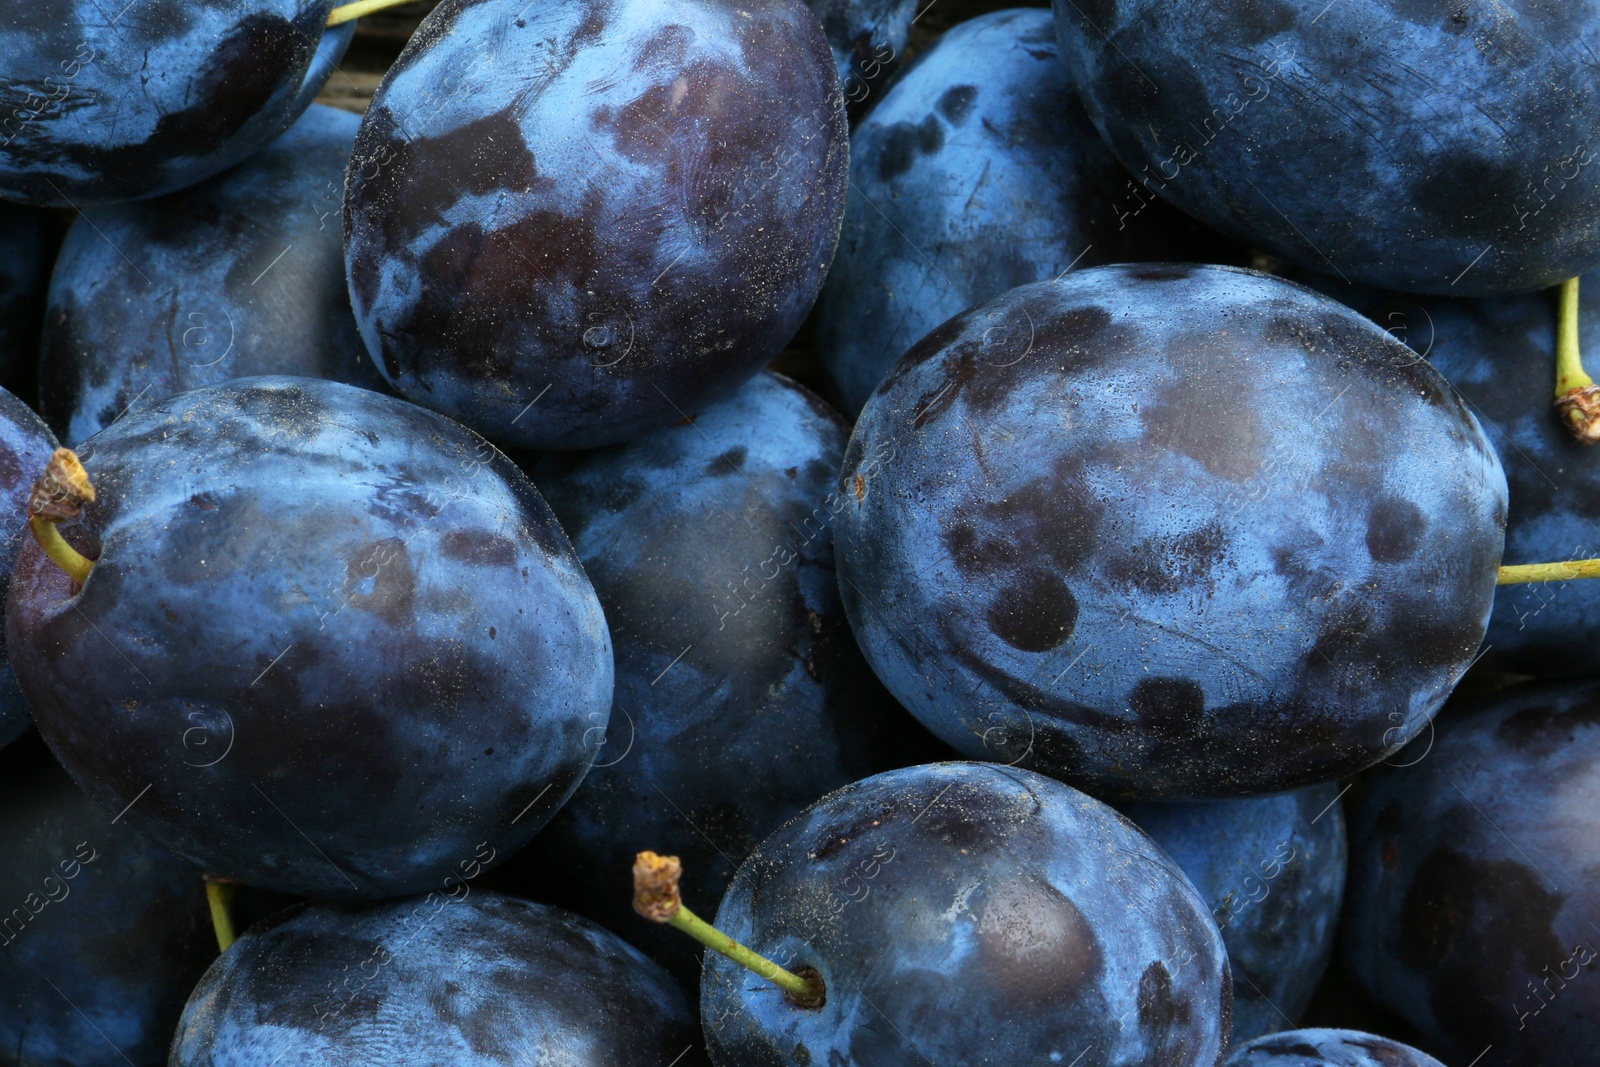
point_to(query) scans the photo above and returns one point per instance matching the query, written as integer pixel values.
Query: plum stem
(346, 12)
(1577, 397)
(219, 894)
(60, 493)
(655, 896)
(1548, 572)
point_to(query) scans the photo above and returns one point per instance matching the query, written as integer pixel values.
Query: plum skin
(977, 172)
(740, 696)
(461, 982)
(1424, 147)
(1327, 1048)
(1471, 905)
(1497, 353)
(98, 108)
(238, 276)
(1290, 849)
(114, 922)
(333, 644)
(867, 38)
(25, 447)
(1091, 533)
(612, 225)
(987, 914)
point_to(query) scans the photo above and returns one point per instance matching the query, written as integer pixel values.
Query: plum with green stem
(313, 638)
(1165, 559)
(955, 913)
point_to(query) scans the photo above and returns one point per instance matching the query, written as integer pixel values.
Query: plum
(101, 104)
(102, 934)
(446, 981)
(1272, 869)
(25, 447)
(968, 913)
(1496, 352)
(1472, 902)
(1169, 531)
(1426, 147)
(868, 38)
(740, 694)
(602, 222)
(332, 643)
(977, 172)
(239, 276)
(1328, 1048)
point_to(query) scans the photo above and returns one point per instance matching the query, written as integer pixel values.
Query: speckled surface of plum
(1169, 531)
(483, 981)
(25, 447)
(104, 104)
(868, 38)
(1427, 147)
(1472, 900)
(1328, 1048)
(571, 222)
(239, 276)
(977, 172)
(104, 932)
(333, 644)
(740, 694)
(1272, 869)
(1499, 353)
(974, 914)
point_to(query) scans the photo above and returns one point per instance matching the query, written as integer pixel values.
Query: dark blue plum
(105, 103)
(968, 913)
(1472, 905)
(1422, 146)
(1499, 355)
(1328, 1048)
(740, 694)
(472, 982)
(102, 933)
(1272, 869)
(969, 178)
(25, 447)
(333, 643)
(1169, 532)
(868, 37)
(26, 249)
(239, 276)
(604, 222)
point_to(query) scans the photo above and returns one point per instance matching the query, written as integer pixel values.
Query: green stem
(1570, 374)
(1577, 400)
(1549, 572)
(220, 895)
(753, 961)
(59, 495)
(655, 896)
(63, 555)
(346, 12)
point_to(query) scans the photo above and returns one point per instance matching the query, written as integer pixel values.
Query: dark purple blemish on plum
(1035, 612)
(1395, 530)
